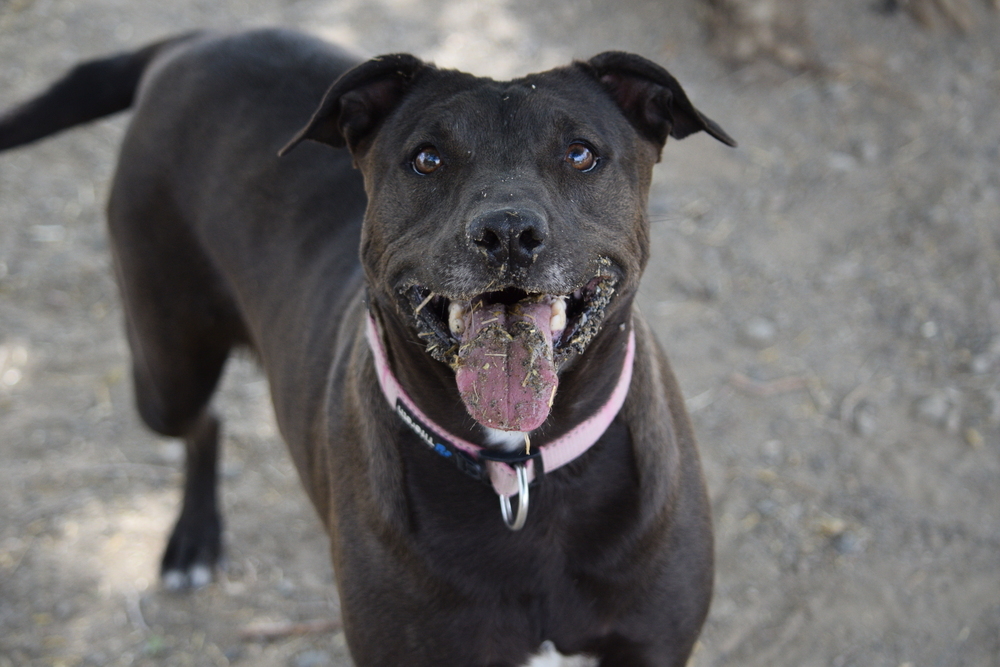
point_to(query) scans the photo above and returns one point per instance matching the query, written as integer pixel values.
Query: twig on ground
(269, 631)
(767, 388)
(133, 609)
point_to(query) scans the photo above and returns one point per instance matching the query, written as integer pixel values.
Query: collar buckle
(517, 459)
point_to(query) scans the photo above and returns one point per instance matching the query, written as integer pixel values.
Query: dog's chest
(550, 657)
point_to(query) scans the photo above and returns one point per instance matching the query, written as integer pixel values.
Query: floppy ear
(650, 97)
(358, 101)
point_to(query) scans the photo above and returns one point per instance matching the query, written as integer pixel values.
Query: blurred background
(829, 294)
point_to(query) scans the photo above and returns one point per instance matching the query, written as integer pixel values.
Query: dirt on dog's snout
(828, 293)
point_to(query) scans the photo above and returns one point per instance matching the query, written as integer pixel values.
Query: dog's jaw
(507, 347)
(440, 320)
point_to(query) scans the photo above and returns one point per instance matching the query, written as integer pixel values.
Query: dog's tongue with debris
(505, 371)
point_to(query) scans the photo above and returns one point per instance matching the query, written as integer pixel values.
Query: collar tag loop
(522, 501)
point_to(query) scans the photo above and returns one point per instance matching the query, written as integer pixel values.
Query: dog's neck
(467, 455)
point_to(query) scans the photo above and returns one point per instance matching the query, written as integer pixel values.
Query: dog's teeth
(558, 321)
(456, 318)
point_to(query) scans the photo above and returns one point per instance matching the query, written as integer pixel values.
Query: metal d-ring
(522, 500)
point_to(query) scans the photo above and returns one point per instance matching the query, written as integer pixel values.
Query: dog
(484, 343)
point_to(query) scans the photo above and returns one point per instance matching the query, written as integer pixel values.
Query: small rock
(772, 451)
(64, 609)
(750, 521)
(838, 161)
(938, 409)
(767, 507)
(864, 419)
(759, 332)
(973, 437)
(832, 526)
(286, 587)
(869, 151)
(171, 451)
(312, 659)
(696, 209)
(11, 377)
(846, 543)
(981, 364)
(48, 233)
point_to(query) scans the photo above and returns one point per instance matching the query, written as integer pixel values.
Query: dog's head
(506, 223)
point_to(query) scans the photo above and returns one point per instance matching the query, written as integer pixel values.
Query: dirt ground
(829, 294)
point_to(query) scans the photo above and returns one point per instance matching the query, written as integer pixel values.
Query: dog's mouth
(507, 346)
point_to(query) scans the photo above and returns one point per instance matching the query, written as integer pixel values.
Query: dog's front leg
(196, 542)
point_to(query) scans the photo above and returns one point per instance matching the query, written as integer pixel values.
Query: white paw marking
(200, 575)
(174, 580)
(197, 577)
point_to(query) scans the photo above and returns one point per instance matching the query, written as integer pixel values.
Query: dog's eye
(427, 160)
(580, 157)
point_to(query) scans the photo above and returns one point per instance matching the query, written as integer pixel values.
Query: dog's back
(213, 235)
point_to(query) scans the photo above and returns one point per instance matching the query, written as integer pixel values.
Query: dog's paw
(193, 553)
(179, 580)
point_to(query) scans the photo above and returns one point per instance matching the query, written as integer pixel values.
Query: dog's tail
(89, 91)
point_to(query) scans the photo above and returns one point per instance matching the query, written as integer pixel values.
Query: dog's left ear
(651, 98)
(358, 102)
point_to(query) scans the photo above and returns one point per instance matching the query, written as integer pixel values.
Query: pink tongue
(505, 373)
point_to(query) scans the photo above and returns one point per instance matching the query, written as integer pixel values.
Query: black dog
(503, 231)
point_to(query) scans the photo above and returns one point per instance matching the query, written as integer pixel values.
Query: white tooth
(456, 318)
(558, 321)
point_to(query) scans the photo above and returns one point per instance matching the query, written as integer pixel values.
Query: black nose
(511, 235)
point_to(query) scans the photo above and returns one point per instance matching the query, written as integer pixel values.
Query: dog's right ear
(358, 101)
(650, 97)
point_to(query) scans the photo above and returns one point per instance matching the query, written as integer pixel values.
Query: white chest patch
(550, 657)
(509, 441)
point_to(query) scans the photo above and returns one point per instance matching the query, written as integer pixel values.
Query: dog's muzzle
(507, 347)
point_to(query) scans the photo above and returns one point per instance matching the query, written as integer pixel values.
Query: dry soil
(829, 293)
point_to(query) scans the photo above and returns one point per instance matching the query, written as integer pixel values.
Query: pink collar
(481, 462)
